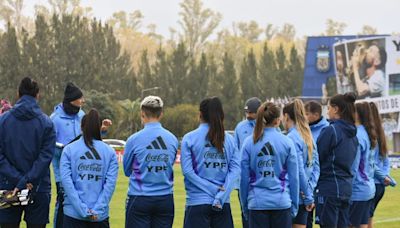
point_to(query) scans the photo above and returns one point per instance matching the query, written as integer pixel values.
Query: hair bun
(350, 97)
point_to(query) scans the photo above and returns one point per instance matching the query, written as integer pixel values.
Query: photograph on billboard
(360, 67)
(370, 67)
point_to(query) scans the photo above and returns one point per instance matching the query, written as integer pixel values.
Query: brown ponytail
(380, 133)
(364, 115)
(266, 114)
(297, 113)
(213, 114)
(91, 125)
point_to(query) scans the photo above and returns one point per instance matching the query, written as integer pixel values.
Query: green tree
(198, 23)
(334, 28)
(368, 30)
(200, 77)
(144, 73)
(127, 119)
(230, 92)
(178, 80)
(295, 73)
(284, 82)
(123, 20)
(287, 33)
(181, 119)
(11, 11)
(10, 63)
(270, 31)
(248, 76)
(268, 73)
(249, 30)
(161, 74)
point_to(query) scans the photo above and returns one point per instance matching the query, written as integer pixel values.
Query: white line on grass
(388, 220)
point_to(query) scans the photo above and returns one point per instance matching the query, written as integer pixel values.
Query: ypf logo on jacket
(90, 166)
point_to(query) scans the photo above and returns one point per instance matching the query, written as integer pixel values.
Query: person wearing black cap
(67, 118)
(243, 130)
(27, 141)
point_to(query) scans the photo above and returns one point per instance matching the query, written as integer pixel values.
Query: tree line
(86, 52)
(116, 63)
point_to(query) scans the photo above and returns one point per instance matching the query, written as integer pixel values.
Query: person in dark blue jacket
(67, 118)
(317, 122)
(337, 149)
(27, 140)
(307, 156)
(88, 170)
(269, 186)
(381, 161)
(210, 166)
(148, 162)
(243, 130)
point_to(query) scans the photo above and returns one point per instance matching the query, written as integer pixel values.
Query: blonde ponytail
(303, 127)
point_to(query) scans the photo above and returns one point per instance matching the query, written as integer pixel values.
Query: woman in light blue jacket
(363, 167)
(381, 162)
(307, 157)
(210, 165)
(89, 170)
(269, 187)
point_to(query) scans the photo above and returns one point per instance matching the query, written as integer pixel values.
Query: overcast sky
(308, 16)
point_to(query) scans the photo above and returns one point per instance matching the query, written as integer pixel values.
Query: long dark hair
(212, 113)
(365, 118)
(380, 133)
(345, 104)
(297, 114)
(91, 125)
(266, 114)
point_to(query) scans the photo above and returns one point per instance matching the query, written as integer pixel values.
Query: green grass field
(387, 214)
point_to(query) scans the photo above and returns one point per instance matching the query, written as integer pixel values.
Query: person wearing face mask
(245, 129)
(67, 118)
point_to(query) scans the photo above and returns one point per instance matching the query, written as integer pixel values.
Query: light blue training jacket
(269, 179)
(148, 161)
(308, 170)
(89, 177)
(383, 164)
(363, 168)
(316, 128)
(243, 130)
(205, 169)
(67, 128)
